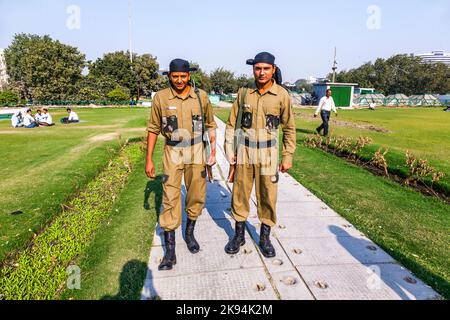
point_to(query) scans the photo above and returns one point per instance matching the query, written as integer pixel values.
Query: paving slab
(309, 227)
(219, 285)
(365, 282)
(290, 286)
(304, 209)
(345, 250)
(205, 231)
(210, 258)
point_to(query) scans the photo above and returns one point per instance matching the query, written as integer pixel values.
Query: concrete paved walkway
(320, 255)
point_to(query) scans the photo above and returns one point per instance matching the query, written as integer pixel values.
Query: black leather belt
(184, 143)
(260, 144)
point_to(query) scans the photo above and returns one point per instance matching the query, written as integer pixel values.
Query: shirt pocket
(247, 116)
(272, 118)
(197, 120)
(169, 120)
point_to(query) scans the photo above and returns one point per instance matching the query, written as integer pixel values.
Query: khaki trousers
(181, 163)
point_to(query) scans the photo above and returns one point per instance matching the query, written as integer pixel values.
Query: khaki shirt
(275, 102)
(168, 103)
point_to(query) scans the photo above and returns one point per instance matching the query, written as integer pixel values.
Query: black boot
(192, 244)
(266, 246)
(238, 240)
(169, 259)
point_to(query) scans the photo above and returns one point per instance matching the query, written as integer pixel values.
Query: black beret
(263, 57)
(179, 65)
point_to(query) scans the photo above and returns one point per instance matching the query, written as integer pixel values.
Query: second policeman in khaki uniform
(177, 114)
(265, 108)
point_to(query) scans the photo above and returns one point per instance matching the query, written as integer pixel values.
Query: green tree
(400, 74)
(8, 97)
(140, 77)
(200, 78)
(244, 81)
(223, 81)
(41, 68)
(90, 87)
(119, 94)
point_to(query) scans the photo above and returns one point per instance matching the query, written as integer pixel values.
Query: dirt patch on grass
(18, 131)
(74, 126)
(105, 137)
(143, 130)
(340, 123)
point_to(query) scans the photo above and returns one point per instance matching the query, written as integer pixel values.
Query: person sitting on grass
(47, 120)
(28, 121)
(38, 116)
(16, 119)
(73, 117)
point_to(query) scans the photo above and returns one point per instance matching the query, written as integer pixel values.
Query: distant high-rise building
(436, 56)
(3, 74)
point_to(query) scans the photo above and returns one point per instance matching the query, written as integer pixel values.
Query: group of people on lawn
(42, 118)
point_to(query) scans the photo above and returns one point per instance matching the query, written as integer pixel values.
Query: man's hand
(284, 167)
(150, 169)
(232, 160)
(211, 161)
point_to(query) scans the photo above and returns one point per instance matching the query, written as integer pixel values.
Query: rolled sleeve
(289, 132)
(210, 122)
(154, 123)
(230, 127)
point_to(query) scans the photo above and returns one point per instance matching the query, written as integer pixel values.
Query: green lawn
(413, 228)
(43, 168)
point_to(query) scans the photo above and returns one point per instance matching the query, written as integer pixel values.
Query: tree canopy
(139, 77)
(400, 74)
(41, 68)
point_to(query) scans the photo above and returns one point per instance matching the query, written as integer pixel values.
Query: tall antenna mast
(130, 28)
(334, 65)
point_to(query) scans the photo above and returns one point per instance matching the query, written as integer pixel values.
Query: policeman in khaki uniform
(255, 151)
(179, 115)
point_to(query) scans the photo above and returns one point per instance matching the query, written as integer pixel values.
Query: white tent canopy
(398, 99)
(423, 100)
(367, 99)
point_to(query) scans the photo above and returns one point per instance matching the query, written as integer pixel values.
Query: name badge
(171, 108)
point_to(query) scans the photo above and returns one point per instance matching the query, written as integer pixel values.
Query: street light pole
(130, 29)
(334, 66)
(130, 40)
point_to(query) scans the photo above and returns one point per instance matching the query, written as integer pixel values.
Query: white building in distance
(3, 74)
(436, 56)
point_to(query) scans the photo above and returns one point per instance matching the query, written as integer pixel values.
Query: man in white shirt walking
(326, 105)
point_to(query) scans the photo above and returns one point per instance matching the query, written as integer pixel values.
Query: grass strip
(114, 266)
(40, 271)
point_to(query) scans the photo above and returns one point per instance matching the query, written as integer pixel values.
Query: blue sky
(301, 34)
